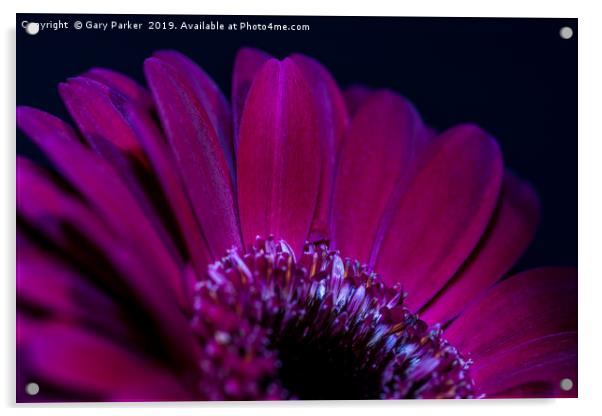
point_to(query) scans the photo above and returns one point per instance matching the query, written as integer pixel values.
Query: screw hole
(566, 32)
(32, 28)
(566, 384)
(32, 389)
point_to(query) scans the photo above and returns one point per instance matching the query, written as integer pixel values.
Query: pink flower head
(296, 243)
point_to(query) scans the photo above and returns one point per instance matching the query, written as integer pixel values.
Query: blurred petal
(33, 185)
(164, 165)
(136, 251)
(534, 368)
(527, 306)
(94, 107)
(100, 184)
(278, 158)
(247, 64)
(147, 133)
(508, 236)
(332, 122)
(443, 213)
(208, 94)
(375, 156)
(51, 287)
(89, 103)
(71, 358)
(133, 91)
(355, 97)
(198, 154)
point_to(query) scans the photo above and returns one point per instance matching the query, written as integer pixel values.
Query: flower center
(272, 327)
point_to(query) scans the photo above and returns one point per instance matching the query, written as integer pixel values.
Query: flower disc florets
(321, 327)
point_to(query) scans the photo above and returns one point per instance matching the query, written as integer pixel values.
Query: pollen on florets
(319, 327)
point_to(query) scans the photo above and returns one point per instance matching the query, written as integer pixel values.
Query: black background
(517, 78)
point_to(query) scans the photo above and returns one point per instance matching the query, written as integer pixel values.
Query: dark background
(517, 78)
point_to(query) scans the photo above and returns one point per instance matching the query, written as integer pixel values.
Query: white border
(590, 175)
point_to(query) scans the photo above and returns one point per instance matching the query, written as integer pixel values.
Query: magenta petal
(279, 157)
(332, 123)
(355, 97)
(94, 107)
(58, 290)
(375, 157)
(526, 306)
(443, 213)
(101, 186)
(133, 91)
(247, 64)
(208, 94)
(198, 154)
(161, 158)
(509, 234)
(33, 185)
(161, 388)
(138, 121)
(332, 112)
(534, 368)
(55, 219)
(89, 103)
(72, 358)
(137, 269)
(90, 174)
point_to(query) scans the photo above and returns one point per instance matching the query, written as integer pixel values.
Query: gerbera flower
(299, 243)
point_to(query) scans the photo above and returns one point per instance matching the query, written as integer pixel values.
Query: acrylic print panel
(253, 208)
